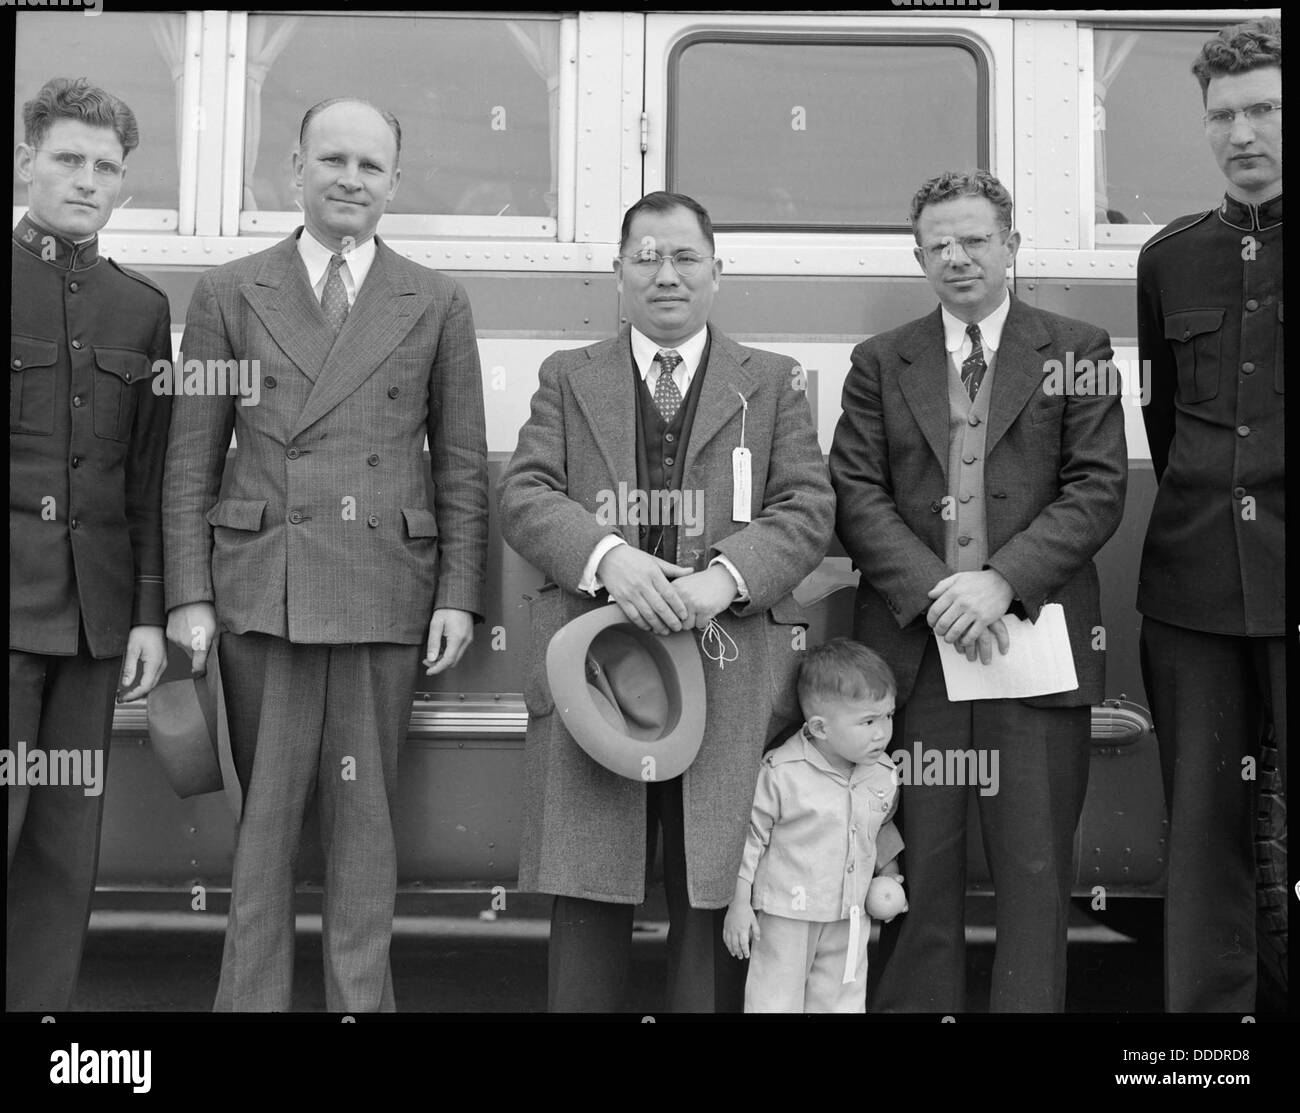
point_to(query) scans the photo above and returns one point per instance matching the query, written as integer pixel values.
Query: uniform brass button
(76, 461)
(76, 400)
(964, 498)
(963, 541)
(1186, 333)
(269, 382)
(372, 459)
(18, 363)
(372, 522)
(295, 517)
(293, 454)
(1248, 368)
(74, 523)
(77, 344)
(935, 506)
(968, 459)
(669, 438)
(1239, 492)
(973, 419)
(1252, 304)
(1243, 430)
(668, 460)
(392, 392)
(73, 287)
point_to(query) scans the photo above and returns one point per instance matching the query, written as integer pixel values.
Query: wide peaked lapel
(923, 381)
(1018, 370)
(388, 305)
(282, 299)
(602, 387)
(727, 379)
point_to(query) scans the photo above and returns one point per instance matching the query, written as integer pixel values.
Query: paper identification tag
(740, 484)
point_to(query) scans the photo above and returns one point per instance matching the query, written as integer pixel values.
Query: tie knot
(973, 331)
(668, 360)
(336, 261)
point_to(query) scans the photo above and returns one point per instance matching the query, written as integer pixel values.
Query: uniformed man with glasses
(87, 437)
(1211, 586)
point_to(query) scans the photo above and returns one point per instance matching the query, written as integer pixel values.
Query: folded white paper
(1038, 663)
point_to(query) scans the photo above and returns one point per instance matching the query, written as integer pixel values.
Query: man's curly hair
(66, 98)
(1247, 46)
(960, 183)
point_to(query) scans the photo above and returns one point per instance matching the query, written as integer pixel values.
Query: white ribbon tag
(740, 484)
(851, 955)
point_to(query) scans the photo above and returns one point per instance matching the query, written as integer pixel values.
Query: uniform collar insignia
(1251, 218)
(54, 249)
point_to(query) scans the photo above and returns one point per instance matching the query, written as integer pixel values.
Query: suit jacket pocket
(116, 372)
(1197, 339)
(31, 385)
(420, 522)
(245, 514)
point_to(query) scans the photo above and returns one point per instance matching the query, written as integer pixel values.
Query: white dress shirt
(958, 343)
(644, 351)
(356, 264)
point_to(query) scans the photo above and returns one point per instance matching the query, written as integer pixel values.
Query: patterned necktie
(973, 366)
(334, 299)
(667, 397)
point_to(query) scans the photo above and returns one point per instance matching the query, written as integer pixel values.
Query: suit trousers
(55, 703)
(1027, 826)
(323, 722)
(1212, 696)
(590, 952)
(797, 966)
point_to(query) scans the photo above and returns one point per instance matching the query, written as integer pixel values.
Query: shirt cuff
(590, 582)
(742, 591)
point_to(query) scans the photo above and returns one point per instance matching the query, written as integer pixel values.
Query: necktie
(667, 396)
(334, 299)
(973, 366)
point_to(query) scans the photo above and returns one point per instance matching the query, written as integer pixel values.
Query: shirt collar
(316, 258)
(954, 330)
(1251, 218)
(55, 249)
(691, 350)
(803, 748)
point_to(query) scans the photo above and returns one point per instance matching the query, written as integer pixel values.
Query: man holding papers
(976, 481)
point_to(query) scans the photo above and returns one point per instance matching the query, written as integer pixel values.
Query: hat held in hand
(184, 713)
(632, 699)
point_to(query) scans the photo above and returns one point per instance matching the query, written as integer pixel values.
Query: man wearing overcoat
(662, 408)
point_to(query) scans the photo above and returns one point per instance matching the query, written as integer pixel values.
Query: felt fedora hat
(184, 715)
(633, 700)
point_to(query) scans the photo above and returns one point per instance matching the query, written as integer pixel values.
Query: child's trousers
(797, 966)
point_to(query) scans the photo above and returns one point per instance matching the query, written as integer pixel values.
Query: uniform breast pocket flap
(117, 370)
(245, 514)
(1196, 335)
(31, 385)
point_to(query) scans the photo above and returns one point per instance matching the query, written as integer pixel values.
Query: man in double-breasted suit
(327, 567)
(975, 478)
(655, 414)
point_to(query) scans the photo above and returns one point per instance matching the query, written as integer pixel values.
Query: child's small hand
(740, 929)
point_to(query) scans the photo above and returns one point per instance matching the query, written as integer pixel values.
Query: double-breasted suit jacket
(326, 533)
(1055, 469)
(584, 828)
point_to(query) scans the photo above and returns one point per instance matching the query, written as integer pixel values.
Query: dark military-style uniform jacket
(87, 440)
(1210, 323)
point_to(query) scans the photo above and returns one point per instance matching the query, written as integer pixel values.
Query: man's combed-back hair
(1247, 46)
(320, 106)
(842, 669)
(68, 98)
(952, 184)
(661, 201)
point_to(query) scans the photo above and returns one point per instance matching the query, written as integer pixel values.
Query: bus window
(1151, 162)
(478, 100)
(139, 58)
(798, 135)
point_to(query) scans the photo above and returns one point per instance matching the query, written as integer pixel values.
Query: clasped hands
(661, 597)
(967, 612)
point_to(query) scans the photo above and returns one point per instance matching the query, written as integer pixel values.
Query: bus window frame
(1100, 237)
(239, 222)
(977, 50)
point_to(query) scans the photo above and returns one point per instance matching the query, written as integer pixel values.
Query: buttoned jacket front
(815, 834)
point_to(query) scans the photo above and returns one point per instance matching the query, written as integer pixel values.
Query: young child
(820, 827)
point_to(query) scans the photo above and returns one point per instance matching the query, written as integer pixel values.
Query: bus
(527, 135)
